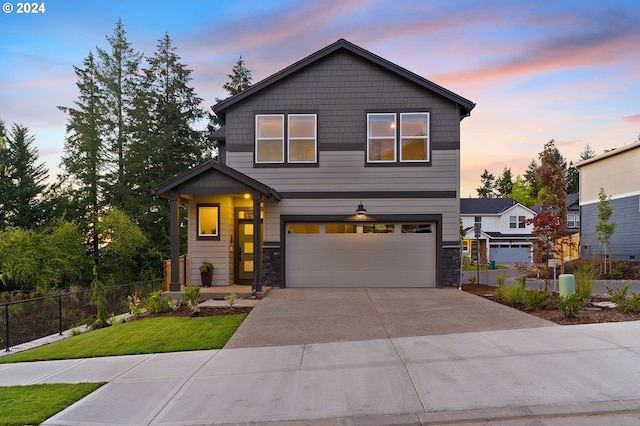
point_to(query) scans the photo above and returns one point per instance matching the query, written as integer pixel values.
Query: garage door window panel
(340, 228)
(416, 228)
(303, 228)
(378, 228)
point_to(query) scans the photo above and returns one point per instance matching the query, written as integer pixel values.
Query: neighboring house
(339, 170)
(504, 236)
(618, 173)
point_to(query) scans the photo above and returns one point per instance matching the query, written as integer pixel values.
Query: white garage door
(361, 255)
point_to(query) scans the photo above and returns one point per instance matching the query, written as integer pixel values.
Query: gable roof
(482, 206)
(343, 45)
(222, 170)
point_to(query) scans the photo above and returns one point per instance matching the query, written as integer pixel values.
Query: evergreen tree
(587, 153)
(504, 184)
(487, 190)
(84, 159)
(531, 177)
(22, 181)
(117, 72)
(239, 80)
(164, 141)
(573, 179)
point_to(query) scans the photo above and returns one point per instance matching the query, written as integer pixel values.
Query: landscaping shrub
(155, 303)
(513, 294)
(191, 294)
(536, 300)
(622, 299)
(570, 305)
(585, 274)
(500, 279)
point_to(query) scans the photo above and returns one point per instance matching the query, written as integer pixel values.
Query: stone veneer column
(450, 267)
(271, 264)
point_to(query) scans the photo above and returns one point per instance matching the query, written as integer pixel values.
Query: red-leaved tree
(549, 225)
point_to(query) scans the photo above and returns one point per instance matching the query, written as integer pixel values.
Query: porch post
(174, 213)
(257, 246)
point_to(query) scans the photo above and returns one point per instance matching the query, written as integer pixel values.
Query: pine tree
(164, 140)
(22, 180)
(84, 159)
(239, 80)
(487, 190)
(531, 177)
(587, 153)
(573, 179)
(504, 184)
(117, 72)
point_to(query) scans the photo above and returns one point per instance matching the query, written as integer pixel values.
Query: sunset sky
(563, 70)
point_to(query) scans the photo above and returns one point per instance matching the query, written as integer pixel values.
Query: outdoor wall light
(361, 211)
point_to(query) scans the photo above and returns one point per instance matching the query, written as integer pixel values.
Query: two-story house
(341, 170)
(618, 173)
(504, 236)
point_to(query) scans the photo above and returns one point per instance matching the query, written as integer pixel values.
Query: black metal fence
(30, 319)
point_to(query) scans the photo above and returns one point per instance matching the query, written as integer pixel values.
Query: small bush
(616, 274)
(514, 294)
(231, 299)
(191, 294)
(134, 305)
(570, 305)
(536, 300)
(585, 274)
(500, 279)
(622, 300)
(155, 303)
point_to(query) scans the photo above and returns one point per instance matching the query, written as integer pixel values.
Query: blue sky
(563, 70)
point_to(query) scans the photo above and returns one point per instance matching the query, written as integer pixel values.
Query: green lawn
(154, 335)
(482, 267)
(33, 404)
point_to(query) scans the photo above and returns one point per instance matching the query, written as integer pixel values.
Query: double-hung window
(389, 143)
(286, 138)
(517, 222)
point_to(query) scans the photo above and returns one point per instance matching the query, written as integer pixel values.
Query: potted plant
(206, 273)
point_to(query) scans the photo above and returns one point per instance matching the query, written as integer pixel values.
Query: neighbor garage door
(360, 255)
(511, 254)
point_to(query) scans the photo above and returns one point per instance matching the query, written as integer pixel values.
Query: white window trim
(395, 138)
(426, 137)
(314, 139)
(268, 139)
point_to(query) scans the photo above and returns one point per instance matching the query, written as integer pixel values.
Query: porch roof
(217, 178)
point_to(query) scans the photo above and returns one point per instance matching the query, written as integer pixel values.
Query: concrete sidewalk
(586, 374)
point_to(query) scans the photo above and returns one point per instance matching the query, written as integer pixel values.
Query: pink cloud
(633, 119)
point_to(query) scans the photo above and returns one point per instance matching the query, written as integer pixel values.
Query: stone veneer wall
(271, 266)
(450, 267)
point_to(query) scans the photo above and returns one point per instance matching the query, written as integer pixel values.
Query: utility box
(567, 284)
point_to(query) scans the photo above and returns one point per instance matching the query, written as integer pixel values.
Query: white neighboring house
(504, 235)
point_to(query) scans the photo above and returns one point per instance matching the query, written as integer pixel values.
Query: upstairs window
(516, 222)
(302, 138)
(299, 131)
(573, 220)
(270, 138)
(386, 143)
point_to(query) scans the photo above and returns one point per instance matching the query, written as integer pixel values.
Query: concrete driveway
(305, 316)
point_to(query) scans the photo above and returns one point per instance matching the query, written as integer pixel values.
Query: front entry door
(244, 251)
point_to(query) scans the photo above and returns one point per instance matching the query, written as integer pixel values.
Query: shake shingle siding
(342, 89)
(624, 243)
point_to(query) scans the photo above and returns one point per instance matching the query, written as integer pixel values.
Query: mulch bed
(588, 314)
(185, 311)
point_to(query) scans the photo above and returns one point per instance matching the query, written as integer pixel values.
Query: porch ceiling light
(361, 211)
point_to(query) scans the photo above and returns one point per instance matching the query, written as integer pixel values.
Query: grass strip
(147, 336)
(33, 404)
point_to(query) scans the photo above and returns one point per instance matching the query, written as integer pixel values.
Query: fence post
(6, 326)
(60, 312)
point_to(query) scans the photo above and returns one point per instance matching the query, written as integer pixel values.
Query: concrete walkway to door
(305, 316)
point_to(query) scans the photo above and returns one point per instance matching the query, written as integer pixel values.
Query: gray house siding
(624, 243)
(341, 89)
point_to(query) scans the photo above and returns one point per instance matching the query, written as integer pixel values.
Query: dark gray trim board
(367, 194)
(420, 218)
(351, 146)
